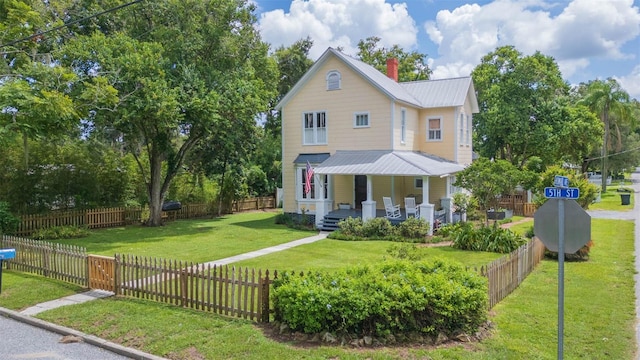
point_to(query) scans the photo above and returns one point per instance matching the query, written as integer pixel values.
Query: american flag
(309, 177)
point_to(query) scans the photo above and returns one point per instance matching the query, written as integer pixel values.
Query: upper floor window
(434, 129)
(315, 128)
(334, 80)
(361, 120)
(403, 125)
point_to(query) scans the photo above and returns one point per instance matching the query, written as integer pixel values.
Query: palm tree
(610, 102)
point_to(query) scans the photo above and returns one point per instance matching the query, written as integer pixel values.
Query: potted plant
(461, 203)
(344, 206)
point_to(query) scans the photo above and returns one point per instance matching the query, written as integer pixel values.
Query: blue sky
(589, 39)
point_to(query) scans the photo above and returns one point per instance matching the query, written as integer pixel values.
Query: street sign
(561, 181)
(560, 193)
(577, 225)
(6, 254)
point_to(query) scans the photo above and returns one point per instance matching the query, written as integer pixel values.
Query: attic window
(333, 80)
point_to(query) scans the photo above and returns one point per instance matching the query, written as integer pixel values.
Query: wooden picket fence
(231, 291)
(121, 216)
(237, 292)
(508, 272)
(57, 261)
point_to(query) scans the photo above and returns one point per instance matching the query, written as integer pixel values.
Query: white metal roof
(386, 162)
(443, 92)
(422, 94)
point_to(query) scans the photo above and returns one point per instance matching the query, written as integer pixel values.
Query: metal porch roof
(386, 162)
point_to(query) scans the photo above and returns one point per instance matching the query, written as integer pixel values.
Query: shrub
(395, 296)
(8, 222)
(60, 232)
(378, 228)
(485, 238)
(295, 221)
(405, 252)
(351, 226)
(414, 228)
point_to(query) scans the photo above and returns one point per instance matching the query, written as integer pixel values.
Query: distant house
(366, 137)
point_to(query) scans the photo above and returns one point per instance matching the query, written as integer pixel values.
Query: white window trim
(316, 190)
(355, 118)
(417, 182)
(315, 128)
(403, 125)
(332, 72)
(440, 129)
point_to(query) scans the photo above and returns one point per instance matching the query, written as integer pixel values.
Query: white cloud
(333, 23)
(631, 83)
(583, 29)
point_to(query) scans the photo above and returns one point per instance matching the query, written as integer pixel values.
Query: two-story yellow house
(367, 136)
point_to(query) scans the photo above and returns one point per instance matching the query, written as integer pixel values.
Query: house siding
(445, 147)
(355, 95)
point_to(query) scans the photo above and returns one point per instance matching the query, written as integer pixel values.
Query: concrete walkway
(25, 315)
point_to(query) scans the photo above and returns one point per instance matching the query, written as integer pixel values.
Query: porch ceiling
(386, 162)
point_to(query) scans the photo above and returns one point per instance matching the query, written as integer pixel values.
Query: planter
(499, 215)
(344, 206)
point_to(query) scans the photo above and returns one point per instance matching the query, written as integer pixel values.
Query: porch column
(369, 206)
(447, 202)
(426, 209)
(320, 204)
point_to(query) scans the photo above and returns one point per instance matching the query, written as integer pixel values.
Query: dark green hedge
(392, 297)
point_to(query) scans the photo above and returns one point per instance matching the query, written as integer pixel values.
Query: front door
(360, 185)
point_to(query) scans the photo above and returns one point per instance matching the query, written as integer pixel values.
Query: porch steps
(330, 223)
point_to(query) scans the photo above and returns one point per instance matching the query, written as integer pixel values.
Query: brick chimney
(392, 69)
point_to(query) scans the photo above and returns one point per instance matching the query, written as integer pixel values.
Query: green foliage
(413, 228)
(354, 229)
(588, 191)
(60, 232)
(405, 252)
(412, 65)
(461, 202)
(8, 222)
(485, 238)
(388, 298)
(295, 221)
(488, 179)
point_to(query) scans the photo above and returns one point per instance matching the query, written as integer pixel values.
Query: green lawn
(332, 254)
(610, 200)
(21, 290)
(599, 312)
(193, 240)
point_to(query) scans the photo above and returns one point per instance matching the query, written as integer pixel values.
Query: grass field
(193, 240)
(599, 315)
(610, 200)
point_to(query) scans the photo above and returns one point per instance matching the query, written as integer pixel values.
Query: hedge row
(394, 296)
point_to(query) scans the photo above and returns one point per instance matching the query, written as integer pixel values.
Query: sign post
(550, 226)
(5, 254)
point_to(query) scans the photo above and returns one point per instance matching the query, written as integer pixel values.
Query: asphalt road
(23, 341)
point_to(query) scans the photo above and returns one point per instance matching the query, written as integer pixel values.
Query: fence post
(264, 299)
(183, 287)
(116, 274)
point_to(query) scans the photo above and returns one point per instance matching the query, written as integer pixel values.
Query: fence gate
(101, 272)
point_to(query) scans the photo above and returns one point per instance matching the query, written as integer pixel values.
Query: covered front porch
(332, 218)
(353, 174)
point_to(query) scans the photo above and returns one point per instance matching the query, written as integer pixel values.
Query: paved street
(23, 341)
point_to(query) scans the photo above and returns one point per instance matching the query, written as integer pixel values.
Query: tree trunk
(156, 195)
(605, 149)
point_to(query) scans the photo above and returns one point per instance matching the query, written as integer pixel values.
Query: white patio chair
(393, 211)
(411, 208)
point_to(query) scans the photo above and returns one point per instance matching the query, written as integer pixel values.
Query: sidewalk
(25, 315)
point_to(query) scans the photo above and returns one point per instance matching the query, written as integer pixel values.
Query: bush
(392, 297)
(8, 222)
(414, 228)
(295, 221)
(60, 232)
(485, 238)
(378, 228)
